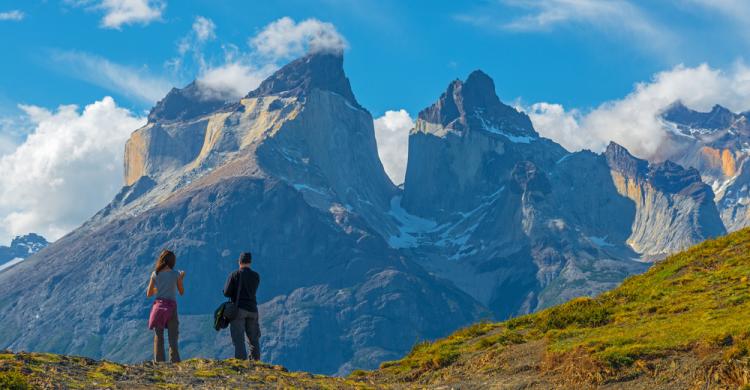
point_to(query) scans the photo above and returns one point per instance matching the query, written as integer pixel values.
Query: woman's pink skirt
(161, 312)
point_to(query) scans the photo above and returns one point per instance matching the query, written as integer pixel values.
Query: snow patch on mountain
(410, 226)
(11, 263)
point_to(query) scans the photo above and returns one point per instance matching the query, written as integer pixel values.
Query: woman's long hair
(165, 259)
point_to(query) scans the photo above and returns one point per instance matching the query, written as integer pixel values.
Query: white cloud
(138, 83)
(552, 121)
(392, 135)
(613, 16)
(284, 38)
(233, 79)
(14, 15)
(118, 13)
(204, 29)
(239, 72)
(633, 121)
(7, 143)
(68, 168)
(737, 9)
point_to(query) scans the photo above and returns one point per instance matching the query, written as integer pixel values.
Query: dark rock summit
(21, 247)
(320, 70)
(474, 104)
(622, 161)
(290, 173)
(185, 104)
(718, 118)
(492, 220)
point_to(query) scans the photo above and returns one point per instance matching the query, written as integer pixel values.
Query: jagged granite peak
(21, 247)
(473, 104)
(718, 118)
(621, 160)
(291, 175)
(674, 207)
(717, 144)
(185, 103)
(673, 178)
(31, 243)
(319, 70)
(493, 217)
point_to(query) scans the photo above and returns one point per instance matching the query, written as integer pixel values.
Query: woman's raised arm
(180, 287)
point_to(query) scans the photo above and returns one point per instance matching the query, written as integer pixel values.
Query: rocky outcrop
(323, 71)
(492, 220)
(20, 248)
(717, 144)
(291, 173)
(674, 208)
(505, 214)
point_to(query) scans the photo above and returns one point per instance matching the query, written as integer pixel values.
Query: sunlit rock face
(717, 144)
(674, 208)
(289, 172)
(492, 220)
(520, 223)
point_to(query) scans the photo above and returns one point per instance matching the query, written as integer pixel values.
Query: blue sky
(401, 54)
(78, 76)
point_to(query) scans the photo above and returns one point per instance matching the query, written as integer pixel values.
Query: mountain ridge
(682, 324)
(492, 221)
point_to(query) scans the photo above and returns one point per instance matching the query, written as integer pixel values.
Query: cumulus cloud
(118, 13)
(7, 143)
(69, 167)
(233, 79)
(133, 82)
(239, 72)
(14, 15)
(392, 136)
(284, 38)
(634, 121)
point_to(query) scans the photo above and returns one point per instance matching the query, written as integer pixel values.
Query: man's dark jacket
(250, 282)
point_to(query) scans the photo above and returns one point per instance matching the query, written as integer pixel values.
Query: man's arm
(229, 287)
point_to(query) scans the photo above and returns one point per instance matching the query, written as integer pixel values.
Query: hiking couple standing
(241, 287)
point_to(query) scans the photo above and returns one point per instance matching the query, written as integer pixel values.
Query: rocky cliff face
(492, 219)
(674, 208)
(20, 248)
(519, 223)
(291, 173)
(717, 144)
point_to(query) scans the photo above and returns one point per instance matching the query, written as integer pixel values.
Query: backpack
(228, 310)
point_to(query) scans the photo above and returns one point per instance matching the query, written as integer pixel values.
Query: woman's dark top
(250, 282)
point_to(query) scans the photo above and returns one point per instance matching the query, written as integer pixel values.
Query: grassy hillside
(688, 316)
(683, 324)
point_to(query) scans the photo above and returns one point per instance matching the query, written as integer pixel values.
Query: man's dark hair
(246, 258)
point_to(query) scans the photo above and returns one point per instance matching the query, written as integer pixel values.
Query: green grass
(12, 380)
(697, 297)
(426, 356)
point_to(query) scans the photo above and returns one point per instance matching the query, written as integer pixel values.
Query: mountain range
(492, 221)
(20, 248)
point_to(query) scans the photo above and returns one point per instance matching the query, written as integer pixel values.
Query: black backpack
(228, 310)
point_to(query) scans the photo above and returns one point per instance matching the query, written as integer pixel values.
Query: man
(246, 322)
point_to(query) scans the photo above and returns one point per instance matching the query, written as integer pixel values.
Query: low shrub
(581, 312)
(12, 380)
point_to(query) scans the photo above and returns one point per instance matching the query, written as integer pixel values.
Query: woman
(165, 282)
